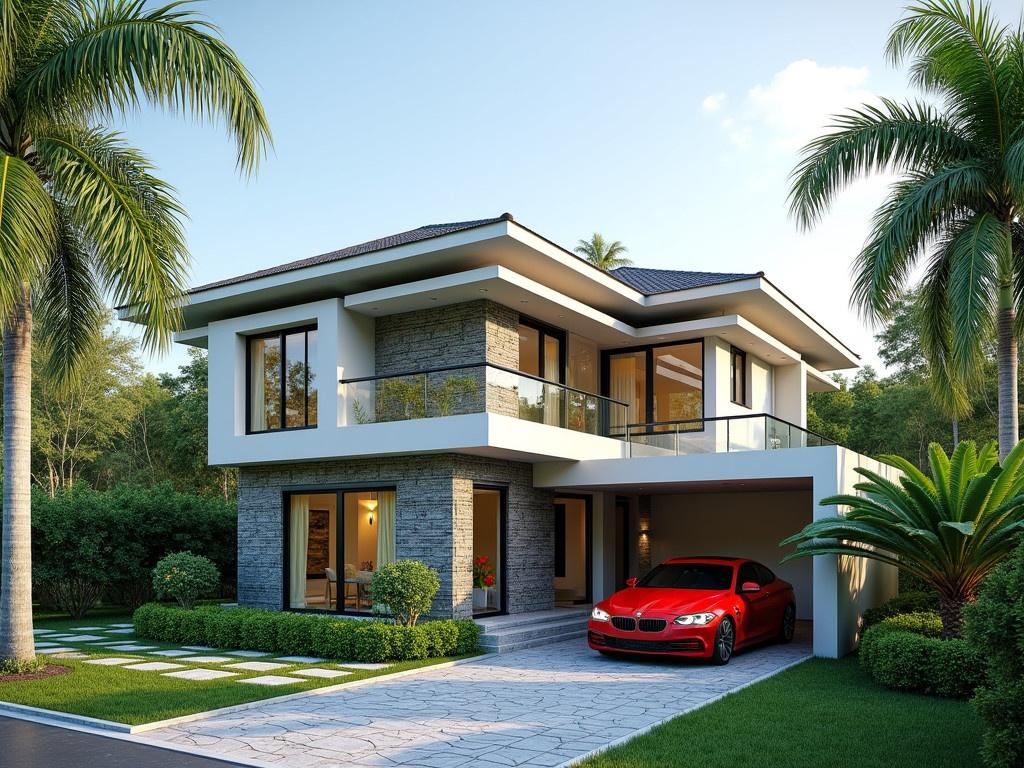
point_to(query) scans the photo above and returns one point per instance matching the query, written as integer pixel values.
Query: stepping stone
(71, 654)
(206, 659)
(46, 645)
(363, 665)
(249, 654)
(271, 680)
(87, 629)
(301, 659)
(49, 651)
(122, 626)
(171, 652)
(198, 648)
(131, 647)
(123, 631)
(81, 638)
(318, 672)
(112, 661)
(105, 642)
(42, 631)
(200, 674)
(153, 666)
(257, 666)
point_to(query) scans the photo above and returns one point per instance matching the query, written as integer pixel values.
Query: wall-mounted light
(371, 507)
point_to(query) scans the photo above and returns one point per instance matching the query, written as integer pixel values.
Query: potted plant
(483, 580)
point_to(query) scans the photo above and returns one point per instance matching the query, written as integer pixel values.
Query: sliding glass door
(334, 543)
(659, 384)
(488, 550)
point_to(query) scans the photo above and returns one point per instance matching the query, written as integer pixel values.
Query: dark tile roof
(652, 281)
(402, 238)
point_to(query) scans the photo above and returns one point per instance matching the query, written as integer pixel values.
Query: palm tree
(81, 213)
(949, 528)
(601, 254)
(957, 202)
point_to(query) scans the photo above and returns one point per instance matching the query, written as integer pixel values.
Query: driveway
(539, 707)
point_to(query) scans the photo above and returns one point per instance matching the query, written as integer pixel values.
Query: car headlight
(598, 615)
(700, 619)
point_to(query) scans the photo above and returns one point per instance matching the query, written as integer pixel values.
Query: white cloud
(713, 102)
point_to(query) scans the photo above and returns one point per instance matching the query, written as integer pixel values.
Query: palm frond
(115, 52)
(28, 229)
(127, 217)
(872, 139)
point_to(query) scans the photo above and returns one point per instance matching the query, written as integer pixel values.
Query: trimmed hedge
(297, 634)
(905, 602)
(905, 653)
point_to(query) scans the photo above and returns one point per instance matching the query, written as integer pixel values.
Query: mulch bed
(50, 670)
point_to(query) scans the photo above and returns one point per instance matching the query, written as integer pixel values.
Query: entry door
(571, 555)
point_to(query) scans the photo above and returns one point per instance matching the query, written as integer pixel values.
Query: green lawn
(820, 714)
(135, 697)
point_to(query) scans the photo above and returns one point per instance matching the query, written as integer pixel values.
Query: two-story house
(474, 396)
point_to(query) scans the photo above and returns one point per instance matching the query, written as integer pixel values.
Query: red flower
(489, 580)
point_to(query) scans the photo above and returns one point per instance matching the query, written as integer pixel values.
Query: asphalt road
(30, 745)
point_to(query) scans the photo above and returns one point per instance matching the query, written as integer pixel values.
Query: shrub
(904, 653)
(305, 634)
(905, 602)
(407, 588)
(185, 577)
(994, 624)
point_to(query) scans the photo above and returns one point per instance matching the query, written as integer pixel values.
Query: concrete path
(537, 707)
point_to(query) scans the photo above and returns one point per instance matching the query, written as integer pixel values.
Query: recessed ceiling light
(483, 290)
(433, 298)
(375, 308)
(523, 301)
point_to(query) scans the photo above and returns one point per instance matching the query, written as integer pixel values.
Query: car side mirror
(631, 581)
(750, 586)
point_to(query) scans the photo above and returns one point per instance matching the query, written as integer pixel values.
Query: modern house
(472, 393)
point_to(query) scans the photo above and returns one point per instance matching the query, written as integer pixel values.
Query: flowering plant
(483, 572)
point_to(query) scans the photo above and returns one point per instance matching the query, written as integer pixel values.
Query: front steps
(502, 634)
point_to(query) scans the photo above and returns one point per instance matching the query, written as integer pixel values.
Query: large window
(738, 376)
(662, 383)
(282, 383)
(335, 542)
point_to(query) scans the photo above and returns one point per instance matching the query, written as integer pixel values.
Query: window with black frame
(738, 376)
(282, 391)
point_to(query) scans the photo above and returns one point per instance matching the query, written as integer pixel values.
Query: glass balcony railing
(722, 434)
(479, 388)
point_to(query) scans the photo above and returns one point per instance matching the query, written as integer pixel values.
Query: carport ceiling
(718, 486)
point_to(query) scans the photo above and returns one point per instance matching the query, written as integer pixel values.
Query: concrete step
(533, 618)
(576, 634)
(508, 633)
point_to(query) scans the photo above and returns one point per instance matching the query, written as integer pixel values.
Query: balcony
(479, 388)
(721, 434)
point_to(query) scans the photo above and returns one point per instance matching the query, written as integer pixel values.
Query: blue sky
(671, 126)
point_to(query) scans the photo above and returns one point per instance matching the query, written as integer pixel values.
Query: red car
(703, 607)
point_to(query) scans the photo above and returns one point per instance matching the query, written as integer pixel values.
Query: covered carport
(741, 504)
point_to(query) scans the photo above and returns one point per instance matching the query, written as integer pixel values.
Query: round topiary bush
(904, 653)
(407, 588)
(185, 577)
(994, 624)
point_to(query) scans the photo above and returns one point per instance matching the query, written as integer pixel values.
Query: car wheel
(725, 640)
(788, 624)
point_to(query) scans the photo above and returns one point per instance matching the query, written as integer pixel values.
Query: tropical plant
(601, 254)
(81, 213)
(949, 528)
(957, 202)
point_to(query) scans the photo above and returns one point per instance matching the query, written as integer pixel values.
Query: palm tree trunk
(956, 432)
(951, 611)
(16, 641)
(1006, 359)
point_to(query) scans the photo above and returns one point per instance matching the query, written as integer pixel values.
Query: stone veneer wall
(434, 523)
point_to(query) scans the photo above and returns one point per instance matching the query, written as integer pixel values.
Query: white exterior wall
(790, 394)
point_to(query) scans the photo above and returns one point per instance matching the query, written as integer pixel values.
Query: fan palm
(956, 205)
(81, 213)
(949, 528)
(601, 254)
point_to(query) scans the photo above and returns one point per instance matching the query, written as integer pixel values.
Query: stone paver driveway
(540, 707)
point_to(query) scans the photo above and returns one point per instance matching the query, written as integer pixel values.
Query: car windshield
(688, 576)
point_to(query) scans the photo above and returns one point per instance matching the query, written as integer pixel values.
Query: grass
(820, 714)
(135, 697)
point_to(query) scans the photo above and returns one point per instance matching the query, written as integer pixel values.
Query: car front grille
(624, 623)
(652, 625)
(648, 646)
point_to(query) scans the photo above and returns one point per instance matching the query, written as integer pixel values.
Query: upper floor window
(659, 384)
(282, 383)
(738, 376)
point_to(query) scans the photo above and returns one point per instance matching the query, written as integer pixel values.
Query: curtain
(623, 388)
(298, 544)
(257, 379)
(385, 528)
(552, 394)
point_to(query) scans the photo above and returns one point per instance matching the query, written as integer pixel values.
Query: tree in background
(601, 254)
(962, 186)
(81, 213)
